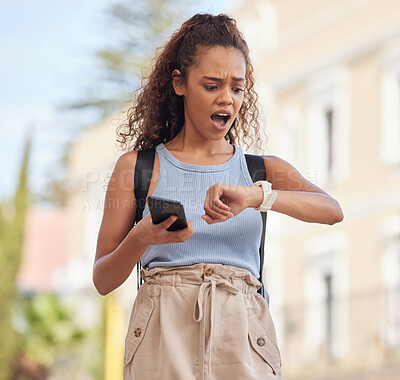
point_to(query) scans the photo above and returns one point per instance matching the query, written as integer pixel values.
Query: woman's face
(213, 92)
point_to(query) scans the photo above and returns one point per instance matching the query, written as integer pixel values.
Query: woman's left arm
(298, 197)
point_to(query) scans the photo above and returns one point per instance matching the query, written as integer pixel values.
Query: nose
(225, 96)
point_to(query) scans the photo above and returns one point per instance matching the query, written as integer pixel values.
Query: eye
(210, 87)
(238, 89)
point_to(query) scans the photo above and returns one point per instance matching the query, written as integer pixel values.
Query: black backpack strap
(256, 167)
(143, 172)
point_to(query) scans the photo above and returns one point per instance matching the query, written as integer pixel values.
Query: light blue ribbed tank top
(233, 242)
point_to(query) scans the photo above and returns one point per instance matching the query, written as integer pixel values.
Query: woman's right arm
(119, 246)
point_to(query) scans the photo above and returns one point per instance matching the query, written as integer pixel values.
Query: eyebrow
(221, 80)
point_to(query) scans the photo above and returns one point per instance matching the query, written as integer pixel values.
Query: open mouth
(220, 119)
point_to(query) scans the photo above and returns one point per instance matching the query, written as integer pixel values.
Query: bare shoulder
(284, 176)
(128, 159)
(124, 169)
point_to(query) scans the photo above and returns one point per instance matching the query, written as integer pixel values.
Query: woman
(198, 315)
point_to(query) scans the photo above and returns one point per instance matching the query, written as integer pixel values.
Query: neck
(196, 145)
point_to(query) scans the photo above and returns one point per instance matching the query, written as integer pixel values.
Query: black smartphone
(161, 209)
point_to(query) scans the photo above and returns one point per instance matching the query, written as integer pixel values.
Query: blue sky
(46, 49)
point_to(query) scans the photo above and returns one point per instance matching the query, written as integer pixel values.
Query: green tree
(136, 29)
(12, 222)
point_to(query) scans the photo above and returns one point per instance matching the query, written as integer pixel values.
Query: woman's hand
(149, 233)
(225, 201)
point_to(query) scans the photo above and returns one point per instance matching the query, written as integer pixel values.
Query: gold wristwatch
(269, 195)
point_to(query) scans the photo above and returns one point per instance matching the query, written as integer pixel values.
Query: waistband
(240, 278)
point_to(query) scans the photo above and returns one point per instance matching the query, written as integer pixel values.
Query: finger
(207, 219)
(213, 206)
(222, 204)
(189, 226)
(218, 213)
(213, 214)
(216, 203)
(188, 230)
(221, 208)
(184, 234)
(168, 222)
(207, 200)
(211, 220)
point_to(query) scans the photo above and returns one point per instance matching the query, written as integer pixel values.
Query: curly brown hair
(157, 114)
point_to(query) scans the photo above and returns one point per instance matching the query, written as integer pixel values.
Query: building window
(328, 311)
(329, 137)
(390, 88)
(320, 280)
(328, 125)
(288, 135)
(326, 330)
(391, 278)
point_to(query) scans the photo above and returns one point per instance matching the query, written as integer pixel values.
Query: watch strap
(269, 195)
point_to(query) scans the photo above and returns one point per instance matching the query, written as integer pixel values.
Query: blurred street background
(328, 79)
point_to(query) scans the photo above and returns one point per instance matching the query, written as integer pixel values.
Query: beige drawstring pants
(200, 322)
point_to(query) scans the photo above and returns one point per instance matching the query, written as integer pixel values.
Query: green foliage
(12, 222)
(52, 340)
(49, 328)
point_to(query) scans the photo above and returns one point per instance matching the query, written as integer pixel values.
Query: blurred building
(44, 252)
(328, 76)
(91, 160)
